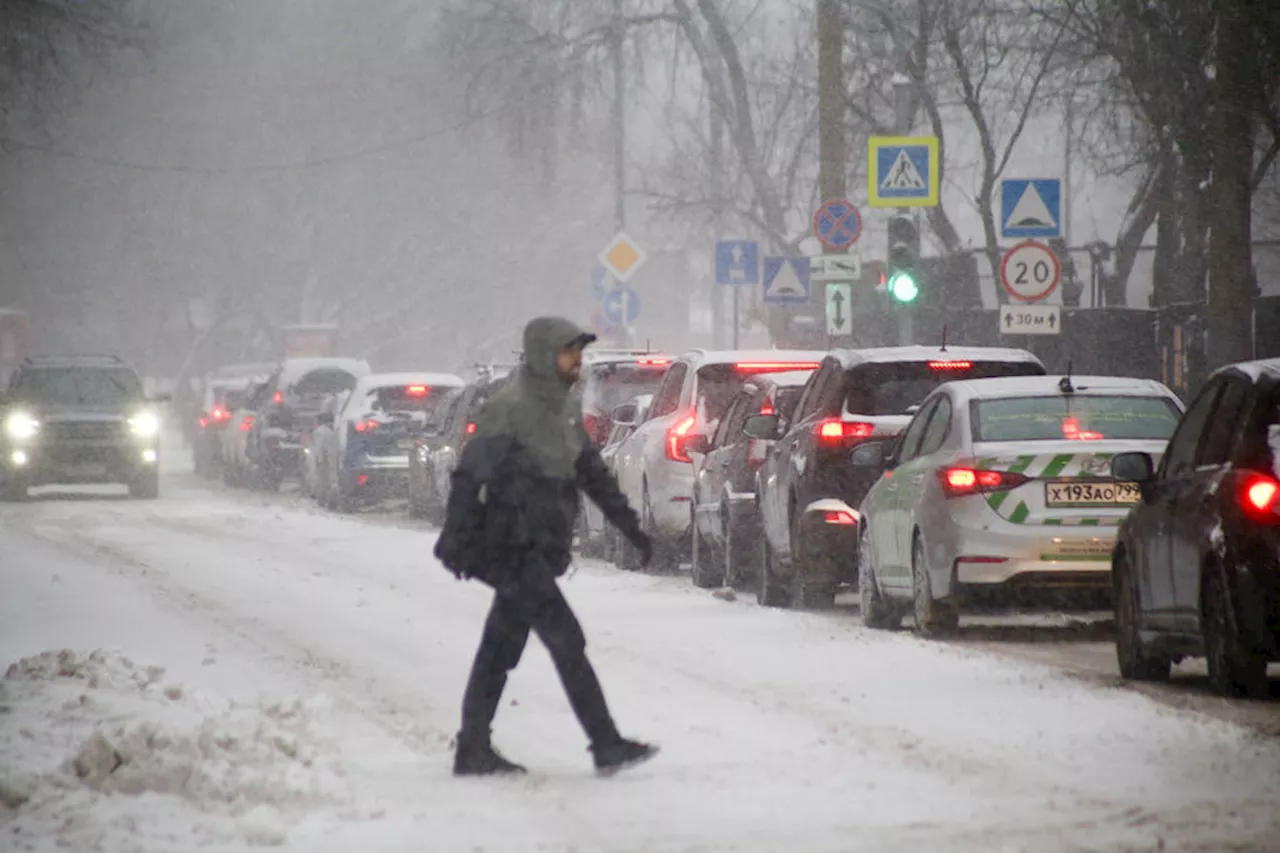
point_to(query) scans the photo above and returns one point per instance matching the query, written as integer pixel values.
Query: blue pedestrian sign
(1030, 207)
(837, 225)
(786, 280)
(621, 306)
(600, 281)
(904, 171)
(737, 262)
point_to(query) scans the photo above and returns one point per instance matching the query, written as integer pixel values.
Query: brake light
(655, 362)
(766, 408)
(278, 398)
(1071, 430)
(219, 413)
(247, 423)
(676, 438)
(838, 517)
(417, 390)
(835, 431)
(950, 365)
(362, 426)
(471, 428)
(774, 366)
(1259, 496)
(958, 482)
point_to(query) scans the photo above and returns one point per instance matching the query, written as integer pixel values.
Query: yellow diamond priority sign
(622, 257)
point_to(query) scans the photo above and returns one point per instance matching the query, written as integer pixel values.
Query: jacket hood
(544, 337)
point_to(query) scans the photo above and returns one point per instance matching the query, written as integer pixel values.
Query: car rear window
(233, 399)
(610, 385)
(409, 398)
(323, 381)
(79, 386)
(718, 384)
(1075, 416)
(896, 388)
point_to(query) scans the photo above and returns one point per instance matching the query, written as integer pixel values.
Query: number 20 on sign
(1030, 271)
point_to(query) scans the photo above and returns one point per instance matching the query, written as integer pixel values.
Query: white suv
(654, 467)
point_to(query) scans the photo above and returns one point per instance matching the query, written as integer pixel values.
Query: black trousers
(533, 603)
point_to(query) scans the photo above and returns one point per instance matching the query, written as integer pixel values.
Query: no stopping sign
(1030, 271)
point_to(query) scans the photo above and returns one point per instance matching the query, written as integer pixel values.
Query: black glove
(643, 544)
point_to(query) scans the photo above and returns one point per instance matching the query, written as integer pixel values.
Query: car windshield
(895, 388)
(612, 384)
(232, 398)
(1074, 417)
(72, 386)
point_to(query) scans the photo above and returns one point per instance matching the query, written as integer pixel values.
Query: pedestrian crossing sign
(903, 171)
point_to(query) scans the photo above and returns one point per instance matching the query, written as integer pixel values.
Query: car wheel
(805, 591)
(1136, 662)
(933, 618)
(707, 572)
(145, 486)
(877, 611)
(1235, 669)
(769, 593)
(662, 560)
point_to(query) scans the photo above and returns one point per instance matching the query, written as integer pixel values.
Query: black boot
(475, 756)
(619, 754)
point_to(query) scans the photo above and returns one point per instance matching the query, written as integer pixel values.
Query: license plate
(1091, 494)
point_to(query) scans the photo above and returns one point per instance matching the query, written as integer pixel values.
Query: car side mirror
(762, 427)
(1133, 467)
(324, 419)
(625, 414)
(699, 444)
(871, 454)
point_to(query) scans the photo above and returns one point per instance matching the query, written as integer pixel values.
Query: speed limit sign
(1030, 271)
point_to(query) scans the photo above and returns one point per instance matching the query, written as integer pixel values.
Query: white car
(1000, 487)
(655, 470)
(596, 536)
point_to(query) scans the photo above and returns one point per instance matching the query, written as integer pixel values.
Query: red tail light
(677, 436)
(204, 422)
(766, 408)
(950, 365)
(364, 426)
(655, 362)
(219, 413)
(834, 432)
(1071, 430)
(278, 398)
(774, 366)
(247, 423)
(958, 482)
(471, 428)
(1259, 496)
(362, 480)
(417, 390)
(838, 517)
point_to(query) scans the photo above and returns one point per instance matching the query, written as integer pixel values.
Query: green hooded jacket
(539, 409)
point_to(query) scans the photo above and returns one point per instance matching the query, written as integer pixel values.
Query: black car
(78, 419)
(435, 453)
(809, 489)
(724, 480)
(1196, 566)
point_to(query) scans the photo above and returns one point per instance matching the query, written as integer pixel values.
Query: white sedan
(1000, 487)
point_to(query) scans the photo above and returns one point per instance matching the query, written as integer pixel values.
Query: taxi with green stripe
(1003, 486)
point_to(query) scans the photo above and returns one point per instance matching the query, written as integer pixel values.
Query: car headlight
(20, 425)
(144, 425)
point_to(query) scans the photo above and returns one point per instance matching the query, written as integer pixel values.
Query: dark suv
(78, 419)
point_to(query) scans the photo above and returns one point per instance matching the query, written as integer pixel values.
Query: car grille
(85, 430)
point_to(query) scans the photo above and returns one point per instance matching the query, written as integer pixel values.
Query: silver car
(1002, 486)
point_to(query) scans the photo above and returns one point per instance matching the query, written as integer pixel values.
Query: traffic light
(903, 260)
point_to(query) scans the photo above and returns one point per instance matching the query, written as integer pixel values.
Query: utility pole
(715, 162)
(1069, 121)
(619, 121)
(832, 151)
(902, 125)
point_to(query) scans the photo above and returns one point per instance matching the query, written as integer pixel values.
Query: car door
(1152, 523)
(913, 466)
(789, 457)
(714, 468)
(1193, 512)
(632, 454)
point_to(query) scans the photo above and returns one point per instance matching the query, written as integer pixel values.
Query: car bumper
(831, 532)
(670, 499)
(383, 476)
(68, 464)
(999, 553)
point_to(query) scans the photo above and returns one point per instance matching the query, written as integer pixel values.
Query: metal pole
(716, 165)
(902, 121)
(832, 152)
(619, 122)
(1066, 172)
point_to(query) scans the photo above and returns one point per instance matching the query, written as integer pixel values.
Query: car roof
(606, 355)
(701, 357)
(1255, 370)
(386, 380)
(1037, 386)
(850, 358)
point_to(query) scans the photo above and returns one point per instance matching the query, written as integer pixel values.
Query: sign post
(1030, 272)
(737, 263)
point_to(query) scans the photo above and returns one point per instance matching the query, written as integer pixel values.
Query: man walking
(510, 522)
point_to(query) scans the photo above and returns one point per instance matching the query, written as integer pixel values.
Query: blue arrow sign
(621, 306)
(737, 262)
(599, 281)
(1031, 207)
(786, 280)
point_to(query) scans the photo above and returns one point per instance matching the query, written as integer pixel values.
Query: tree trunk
(1231, 288)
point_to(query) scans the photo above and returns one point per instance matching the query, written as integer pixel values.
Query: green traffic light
(903, 288)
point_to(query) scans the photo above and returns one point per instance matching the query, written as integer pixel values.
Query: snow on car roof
(374, 381)
(1026, 386)
(787, 379)
(881, 355)
(764, 356)
(293, 369)
(1254, 369)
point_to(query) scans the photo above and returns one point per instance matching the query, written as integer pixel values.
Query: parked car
(436, 452)
(222, 396)
(998, 492)
(297, 390)
(655, 470)
(1196, 566)
(596, 537)
(725, 538)
(612, 377)
(318, 446)
(236, 466)
(374, 432)
(807, 488)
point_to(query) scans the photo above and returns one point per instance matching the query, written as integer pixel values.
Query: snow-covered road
(314, 664)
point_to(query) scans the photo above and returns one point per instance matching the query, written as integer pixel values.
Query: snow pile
(78, 732)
